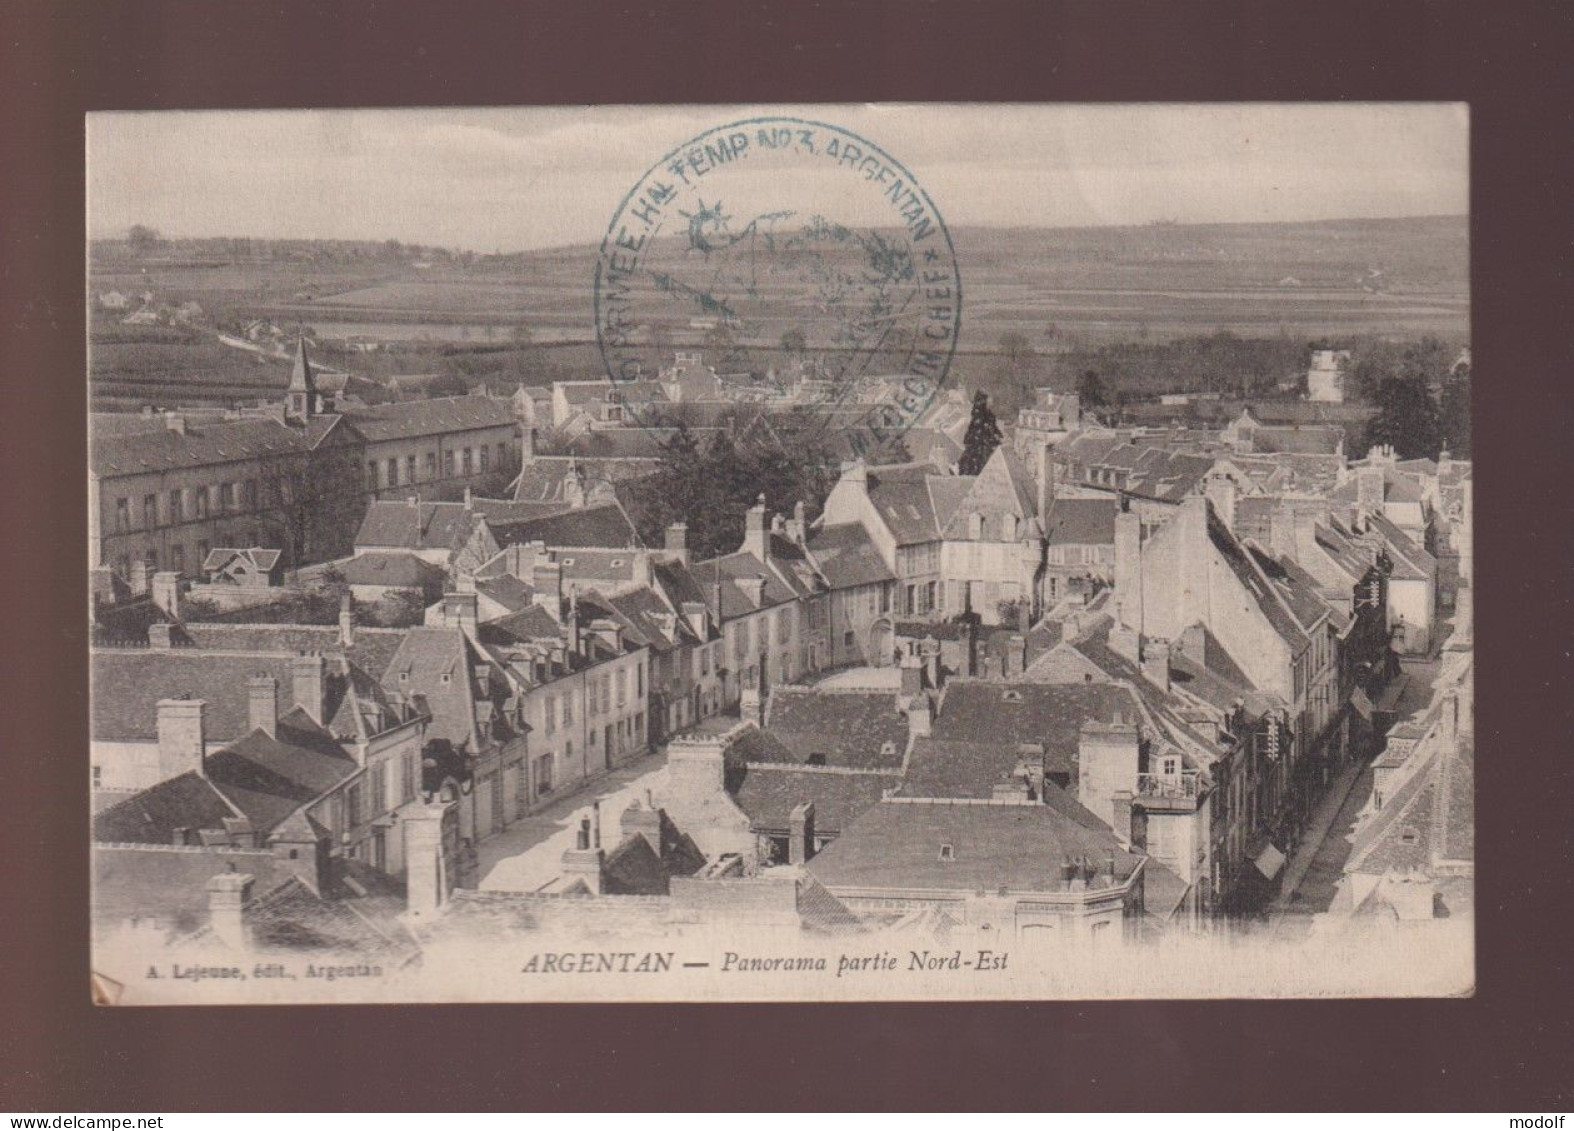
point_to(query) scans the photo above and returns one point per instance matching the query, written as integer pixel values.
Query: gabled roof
(408, 419)
(528, 624)
(435, 664)
(900, 494)
(1263, 592)
(846, 558)
(602, 525)
(417, 526)
(1301, 438)
(199, 446)
(1411, 561)
(371, 648)
(1017, 847)
(127, 685)
(500, 511)
(731, 569)
(1294, 584)
(769, 793)
(259, 559)
(393, 568)
(188, 801)
(850, 729)
(507, 590)
(269, 778)
(1010, 715)
(1083, 522)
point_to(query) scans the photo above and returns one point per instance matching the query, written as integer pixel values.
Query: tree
(1407, 418)
(1454, 413)
(1090, 390)
(143, 239)
(983, 436)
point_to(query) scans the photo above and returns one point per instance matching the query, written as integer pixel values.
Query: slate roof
(507, 590)
(1015, 713)
(199, 446)
(532, 623)
(170, 884)
(268, 779)
(900, 494)
(597, 565)
(435, 664)
(408, 419)
(896, 844)
(1244, 566)
(853, 729)
(127, 685)
(501, 511)
(1295, 585)
(846, 558)
(371, 648)
(417, 526)
(1397, 488)
(391, 568)
(602, 525)
(735, 567)
(769, 793)
(186, 801)
(1083, 522)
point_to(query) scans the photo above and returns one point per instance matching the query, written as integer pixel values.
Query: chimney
(346, 621)
(182, 736)
(800, 523)
(431, 842)
(751, 706)
(585, 861)
(263, 704)
(1107, 763)
(696, 772)
(1128, 571)
(756, 531)
(459, 610)
(1016, 655)
(1369, 491)
(920, 717)
(1220, 490)
(137, 578)
(642, 820)
(1046, 481)
(228, 893)
(166, 593)
(1156, 662)
(642, 571)
(800, 833)
(546, 579)
(1281, 531)
(1014, 790)
(309, 683)
(676, 546)
(175, 423)
(158, 636)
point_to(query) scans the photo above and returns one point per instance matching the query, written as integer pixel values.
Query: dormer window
(947, 852)
(816, 759)
(887, 749)
(404, 677)
(445, 678)
(1011, 696)
(1410, 835)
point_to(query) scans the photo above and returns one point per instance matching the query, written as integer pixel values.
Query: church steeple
(301, 397)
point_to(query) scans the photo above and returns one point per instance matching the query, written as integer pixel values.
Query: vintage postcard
(838, 552)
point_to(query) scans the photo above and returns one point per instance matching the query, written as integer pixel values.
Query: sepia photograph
(807, 553)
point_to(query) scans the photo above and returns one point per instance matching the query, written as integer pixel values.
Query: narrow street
(529, 854)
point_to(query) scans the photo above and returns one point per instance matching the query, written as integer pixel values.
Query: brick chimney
(308, 678)
(182, 736)
(586, 861)
(228, 894)
(675, 548)
(800, 833)
(1156, 662)
(431, 841)
(1128, 571)
(641, 820)
(1108, 758)
(166, 593)
(263, 704)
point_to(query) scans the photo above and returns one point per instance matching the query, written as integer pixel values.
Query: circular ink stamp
(786, 261)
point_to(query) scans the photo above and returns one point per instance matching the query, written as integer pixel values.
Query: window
(606, 695)
(453, 462)
(431, 465)
(1410, 835)
(352, 805)
(847, 639)
(639, 682)
(1011, 695)
(885, 599)
(393, 473)
(380, 799)
(178, 559)
(98, 777)
(467, 461)
(251, 494)
(551, 715)
(201, 502)
(150, 511)
(622, 686)
(483, 451)
(152, 559)
(947, 852)
(177, 509)
(202, 551)
(502, 453)
(568, 710)
(371, 475)
(226, 496)
(407, 776)
(544, 774)
(409, 469)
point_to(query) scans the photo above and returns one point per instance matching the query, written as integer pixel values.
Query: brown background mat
(1505, 1049)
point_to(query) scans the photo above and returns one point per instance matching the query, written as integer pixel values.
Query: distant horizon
(1001, 227)
(507, 180)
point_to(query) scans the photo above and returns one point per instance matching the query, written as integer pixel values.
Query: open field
(1061, 289)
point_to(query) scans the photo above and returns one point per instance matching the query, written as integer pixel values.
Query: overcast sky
(511, 179)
